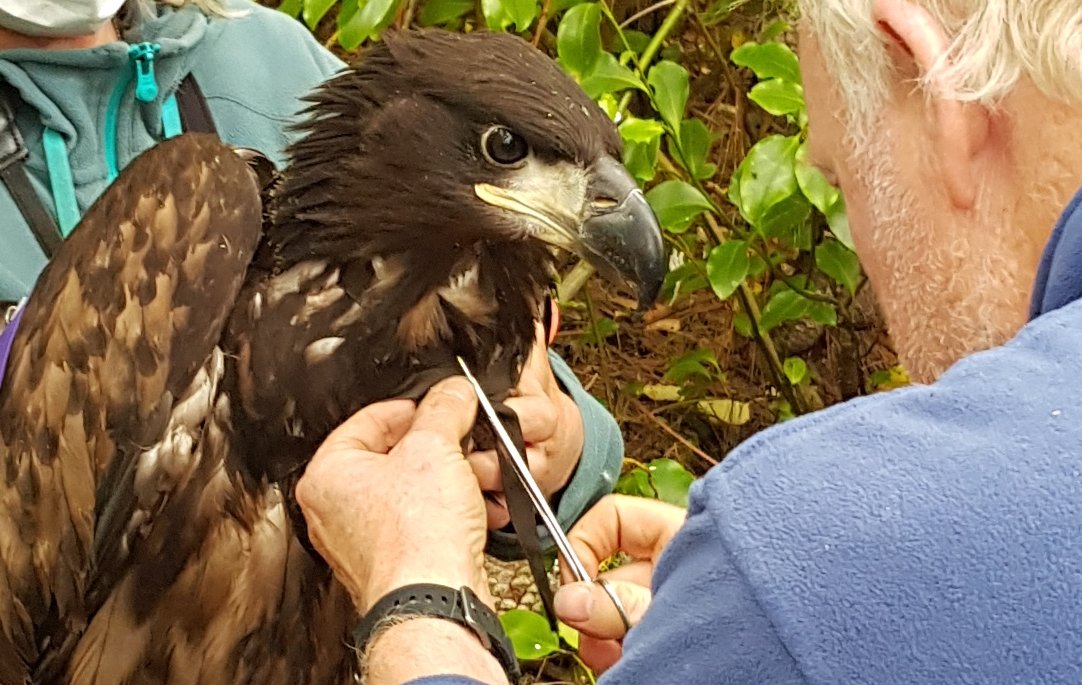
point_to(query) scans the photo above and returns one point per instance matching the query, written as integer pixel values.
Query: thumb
(588, 608)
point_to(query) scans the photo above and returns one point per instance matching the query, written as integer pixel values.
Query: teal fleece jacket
(253, 68)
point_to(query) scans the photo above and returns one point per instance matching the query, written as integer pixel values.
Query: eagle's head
(415, 222)
(436, 141)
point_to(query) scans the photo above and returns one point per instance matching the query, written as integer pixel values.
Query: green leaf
(784, 219)
(637, 40)
(578, 39)
(291, 7)
(777, 96)
(367, 22)
(671, 481)
(569, 634)
(725, 410)
(641, 159)
(676, 204)
(813, 183)
(838, 220)
(719, 11)
(742, 324)
(727, 266)
(888, 379)
(610, 106)
(315, 10)
(682, 280)
(768, 60)
(523, 13)
(602, 329)
(785, 305)
(840, 263)
(775, 29)
(796, 370)
(501, 14)
(636, 483)
(823, 313)
(530, 634)
(670, 84)
(759, 266)
(345, 11)
(634, 130)
(699, 363)
(441, 12)
(609, 76)
(695, 142)
(765, 177)
(784, 410)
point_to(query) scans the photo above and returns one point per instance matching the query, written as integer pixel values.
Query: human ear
(959, 129)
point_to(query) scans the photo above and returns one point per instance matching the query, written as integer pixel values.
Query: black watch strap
(462, 606)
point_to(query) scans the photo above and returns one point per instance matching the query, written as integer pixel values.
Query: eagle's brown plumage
(183, 355)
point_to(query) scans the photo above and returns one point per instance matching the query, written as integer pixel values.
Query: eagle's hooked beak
(601, 216)
(620, 232)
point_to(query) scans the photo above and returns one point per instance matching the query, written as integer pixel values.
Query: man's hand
(390, 499)
(551, 426)
(638, 527)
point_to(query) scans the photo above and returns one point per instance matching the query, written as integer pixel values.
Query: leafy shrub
(768, 238)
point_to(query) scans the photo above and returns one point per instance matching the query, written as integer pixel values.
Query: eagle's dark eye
(503, 146)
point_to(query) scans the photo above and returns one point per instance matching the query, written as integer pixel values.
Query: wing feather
(120, 323)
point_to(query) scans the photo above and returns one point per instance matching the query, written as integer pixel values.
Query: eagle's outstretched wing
(106, 369)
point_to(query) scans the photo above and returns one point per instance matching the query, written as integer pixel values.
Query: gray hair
(994, 43)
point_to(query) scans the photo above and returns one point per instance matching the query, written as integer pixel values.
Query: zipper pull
(142, 56)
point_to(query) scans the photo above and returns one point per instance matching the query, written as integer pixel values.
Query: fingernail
(574, 602)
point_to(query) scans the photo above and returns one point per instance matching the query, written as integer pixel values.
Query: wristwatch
(462, 606)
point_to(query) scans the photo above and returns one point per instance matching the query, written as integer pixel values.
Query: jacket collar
(1059, 277)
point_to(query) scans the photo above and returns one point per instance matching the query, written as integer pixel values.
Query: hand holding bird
(551, 427)
(388, 454)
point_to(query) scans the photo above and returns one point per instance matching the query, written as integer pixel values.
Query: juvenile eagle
(200, 333)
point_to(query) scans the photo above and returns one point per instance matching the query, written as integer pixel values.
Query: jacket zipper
(146, 90)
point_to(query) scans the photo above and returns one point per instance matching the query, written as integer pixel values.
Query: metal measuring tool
(540, 504)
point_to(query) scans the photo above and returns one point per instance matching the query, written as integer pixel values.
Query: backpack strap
(13, 175)
(194, 112)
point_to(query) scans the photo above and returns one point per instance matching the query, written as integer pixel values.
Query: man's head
(950, 125)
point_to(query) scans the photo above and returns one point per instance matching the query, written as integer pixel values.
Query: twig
(672, 433)
(604, 360)
(406, 18)
(708, 36)
(642, 13)
(663, 31)
(654, 46)
(573, 282)
(794, 394)
(546, 6)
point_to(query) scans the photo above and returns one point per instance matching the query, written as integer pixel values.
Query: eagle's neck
(317, 340)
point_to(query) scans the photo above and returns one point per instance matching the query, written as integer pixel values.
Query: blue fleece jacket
(927, 535)
(253, 69)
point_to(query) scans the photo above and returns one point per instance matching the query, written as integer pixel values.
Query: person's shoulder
(993, 400)
(245, 15)
(268, 32)
(893, 524)
(254, 67)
